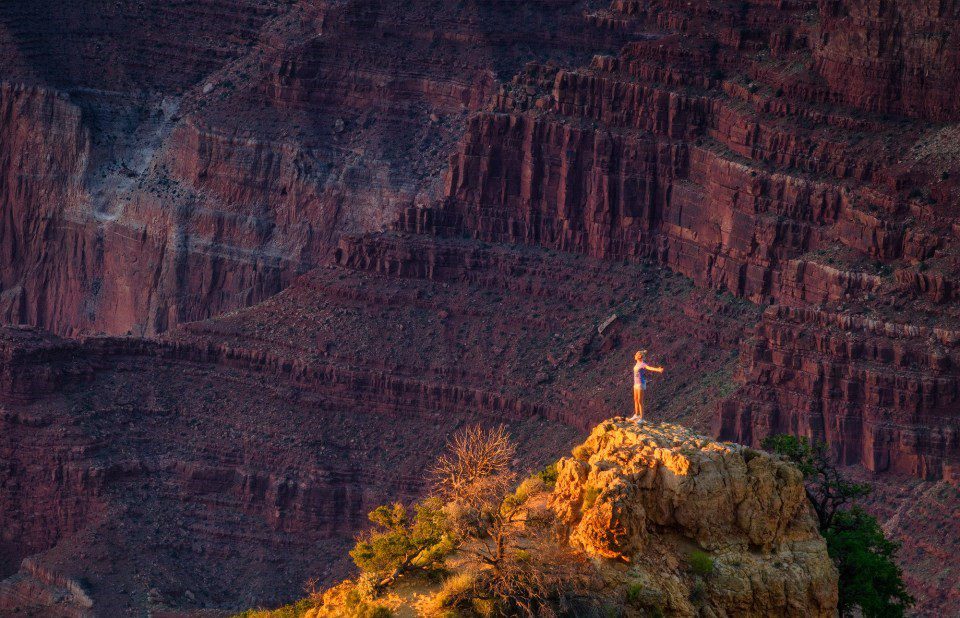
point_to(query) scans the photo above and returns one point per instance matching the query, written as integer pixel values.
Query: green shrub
(870, 579)
(457, 585)
(358, 604)
(370, 610)
(590, 497)
(549, 475)
(484, 607)
(581, 452)
(400, 543)
(457, 591)
(527, 488)
(870, 582)
(701, 563)
(647, 599)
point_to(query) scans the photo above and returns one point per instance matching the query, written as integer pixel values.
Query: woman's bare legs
(637, 404)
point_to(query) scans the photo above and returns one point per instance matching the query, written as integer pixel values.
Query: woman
(640, 384)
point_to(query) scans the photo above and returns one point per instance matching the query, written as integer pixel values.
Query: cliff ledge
(672, 523)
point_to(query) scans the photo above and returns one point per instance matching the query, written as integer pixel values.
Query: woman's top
(639, 377)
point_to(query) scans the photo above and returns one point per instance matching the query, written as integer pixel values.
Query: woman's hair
(640, 354)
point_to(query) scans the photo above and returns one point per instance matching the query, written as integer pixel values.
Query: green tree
(400, 543)
(870, 579)
(827, 489)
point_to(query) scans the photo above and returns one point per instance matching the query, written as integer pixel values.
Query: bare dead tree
(475, 477)
(477, 465)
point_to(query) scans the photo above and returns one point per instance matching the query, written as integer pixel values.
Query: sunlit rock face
(672, 523)
(648, 494)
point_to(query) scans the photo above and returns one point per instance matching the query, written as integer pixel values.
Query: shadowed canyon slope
(217, 156)
(375, 220)
(235, 444)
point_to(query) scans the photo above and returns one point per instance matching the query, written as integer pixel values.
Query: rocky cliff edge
(652, 495)
(675, 524)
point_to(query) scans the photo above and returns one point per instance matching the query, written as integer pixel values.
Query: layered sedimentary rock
(720, 176)
(154, 44)
(707, 145)
(922, 516)
(152, 476)
(524, 324)
(630, 491)
(163, 163)
(43, 139)
(181, 473)
(882, 394)
(122, 70)
(719, 140)
(882, 57)
(219, 156)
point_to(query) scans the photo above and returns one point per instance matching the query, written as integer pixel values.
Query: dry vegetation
(480, 544)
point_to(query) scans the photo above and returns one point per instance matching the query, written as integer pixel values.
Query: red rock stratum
(413, 208)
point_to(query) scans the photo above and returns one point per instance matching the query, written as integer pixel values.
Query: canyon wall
(171, 476)
(185, 473)
(457, 209)
(717, 140)
(708, 145)
(882, 394)
(888, 58)
(220, 155)
(722, 141)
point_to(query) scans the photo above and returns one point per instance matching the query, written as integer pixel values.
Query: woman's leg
(637, 401)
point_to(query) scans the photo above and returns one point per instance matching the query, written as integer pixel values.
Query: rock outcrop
(649, 494)
(666, 523)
